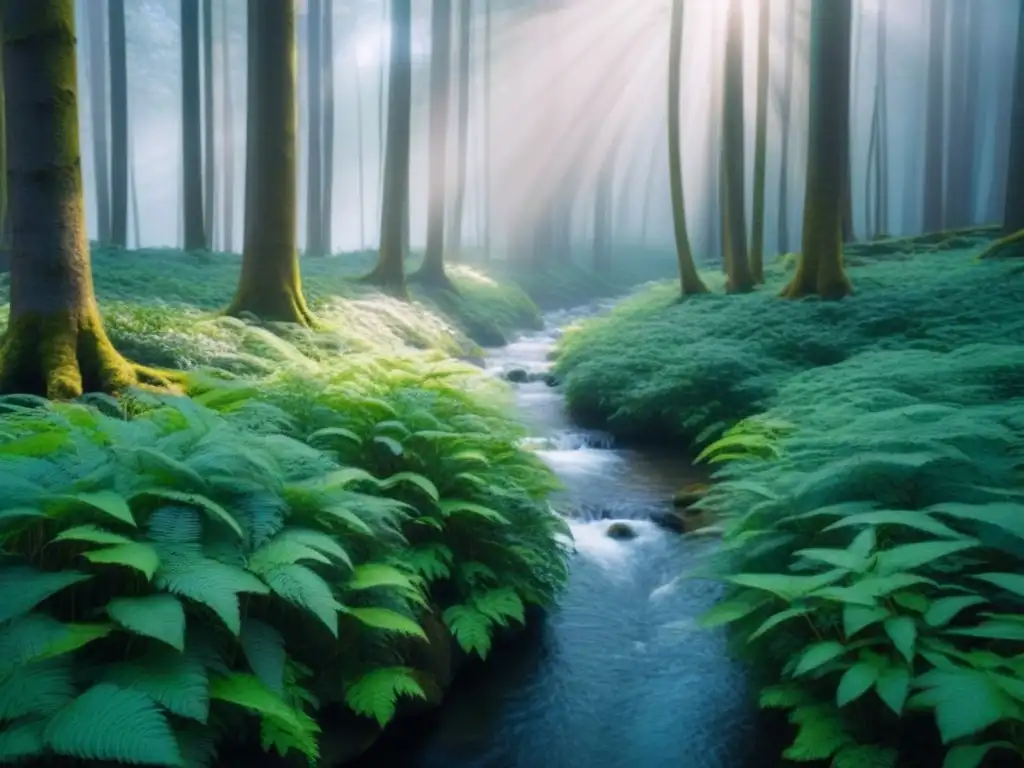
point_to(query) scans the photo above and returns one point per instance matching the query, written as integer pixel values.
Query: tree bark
(118, 125)
(55, 343)
(361, 156)
(209, 128)
(882, 167)
(760, 142)
(327, 197)
(228, 136)
(934, 161)
(432, 271)
(459, 202)
(269, 286)
(315, 127)
(820, 270)
(95, 21)
(389, 273)
(191, 130)
(784, 130)
(487, 128)
(1013, 212)
(5, 253)
(689, 279)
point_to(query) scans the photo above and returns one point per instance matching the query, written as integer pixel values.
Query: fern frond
(376, 693)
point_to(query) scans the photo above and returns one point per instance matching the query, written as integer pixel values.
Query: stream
(619, 675)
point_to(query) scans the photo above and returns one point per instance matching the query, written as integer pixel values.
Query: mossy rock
(1011, 246)
(620, 531)
(688, 496)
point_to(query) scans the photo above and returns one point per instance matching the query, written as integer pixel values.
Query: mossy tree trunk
(689, 279)
(389, 273)
(209, 129)
(462, 156)
(820, 270)
(269, 286)
(432, 271)
(786, 110)
(734, 226)
(327, 62)
(935, 131)
(760, 142)
(191, 129)
(55, 343)
(118, 125)
(315, 127)
(1013, 213)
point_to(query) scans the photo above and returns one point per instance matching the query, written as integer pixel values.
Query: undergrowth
(870, 456)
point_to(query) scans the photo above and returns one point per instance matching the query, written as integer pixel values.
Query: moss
(1011, 246)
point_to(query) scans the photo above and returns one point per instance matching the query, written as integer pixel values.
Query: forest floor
(897, 415)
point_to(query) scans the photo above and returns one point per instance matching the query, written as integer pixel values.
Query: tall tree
(389, 272)
(327, 196)
(360, 154)
(191, 129)
(5, 256)
(228, 135)
(95, 26)
(432, 271)
(1013, 214)
(487, 127)
(689, 279)
(935, 119)
(55, 343)
(462, 151)
(958, 170)
(760, 142)
(315, 127)
(739, 278)
(784, 131)
(882, 156)
(820, 270)
(269, 286)
(118, 125)
(209, 127)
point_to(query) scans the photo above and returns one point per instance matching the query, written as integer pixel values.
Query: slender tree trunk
(760, 142)
(314, 167)
(870, 226)
(327, 199)
(820, 270)
(432, 271)
(55, 343)
(957, 170)
(934, 161)
(488, 54)
(1013, 212)
(228, 146)
(787, 110)
(458, 204)
(269, 286)
(191, 128)
(118, 125)
(209, 127)
(390, 270)
(95, 22)
(689, 279)
(381, 150)
(882, 212)
(5, 250)
(361, 149)
(133, 191)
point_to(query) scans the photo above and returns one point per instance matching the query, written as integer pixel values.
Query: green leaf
(92, 535)
(470, 628)
(734, 609)
(109, 503)
(787, 586)
(376, 693)
(137, 555)
(864, 543)
(159, 616)
(855, 682)
(413, 478)
(321, 435)
(373, 575)
(907, 557)
(907, 518)
(77, 636)
(500, 604)
(818, 655)
(837, 558)
(264, 649)
(820, 734)
(432, 561)
(1001, 514)
(319, 541)
(865, 756)
(173, 680)
(390, 443)
(947, 691)
(165, 469)
(1011, 582)
(450, 507)
(211, 583)
(912, 601)
(23, 588)
(21, 739)
(305, 589)
(387, 620)
(945, 609)
(212, 509)
(347, 516)
(973, 755)
(784, 696)
(115, 724)
(892, 687)
(902, 630)
(775, 620)
(37, 688)
(992, 630)
(858, 617)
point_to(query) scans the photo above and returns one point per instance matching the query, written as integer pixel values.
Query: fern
(387, 620)
(23, 588)
(470, 628)
(173, 680)
(158, 616)
(264, 650)
(305, 589)
(376, 693)
(210, 583)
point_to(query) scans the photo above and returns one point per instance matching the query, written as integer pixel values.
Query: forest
(497, 383)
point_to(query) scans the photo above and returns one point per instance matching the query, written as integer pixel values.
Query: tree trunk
(882, 211)
(458, 204)
(1013, 213)
(191, 128)
(5, 251)
(760, 142)
(957, 170)
(820, 270)
(327, 199)
(689, 279)
(385, 45)
(134, 192)
(55, 343)
(870, 206)
(934, 160)
(118, 125)
(739, 279)
(432, 272)
(487, 128)
(784, 130)
(95, 22)
(228, 146)
(361, 156)
(314, 167)
(390, 270)
(269, 286)
(209, 126)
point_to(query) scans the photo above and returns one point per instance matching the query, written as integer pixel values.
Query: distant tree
(228, 134)
(820, 270)
(118, 125)
(315, 127)
(389, 273)
(95, 18)
(191, 129)
(327, 62)
(760, 142)
(209, 128)
(739, 278)
(432, 271)
(462, 143)
(935, 119)
(488, 53)
(269, 286)
(55, 343)
(789, 46)
(5, 256)
(689, 279)
(1013, 215)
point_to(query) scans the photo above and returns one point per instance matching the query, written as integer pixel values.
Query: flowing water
(619, 675)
